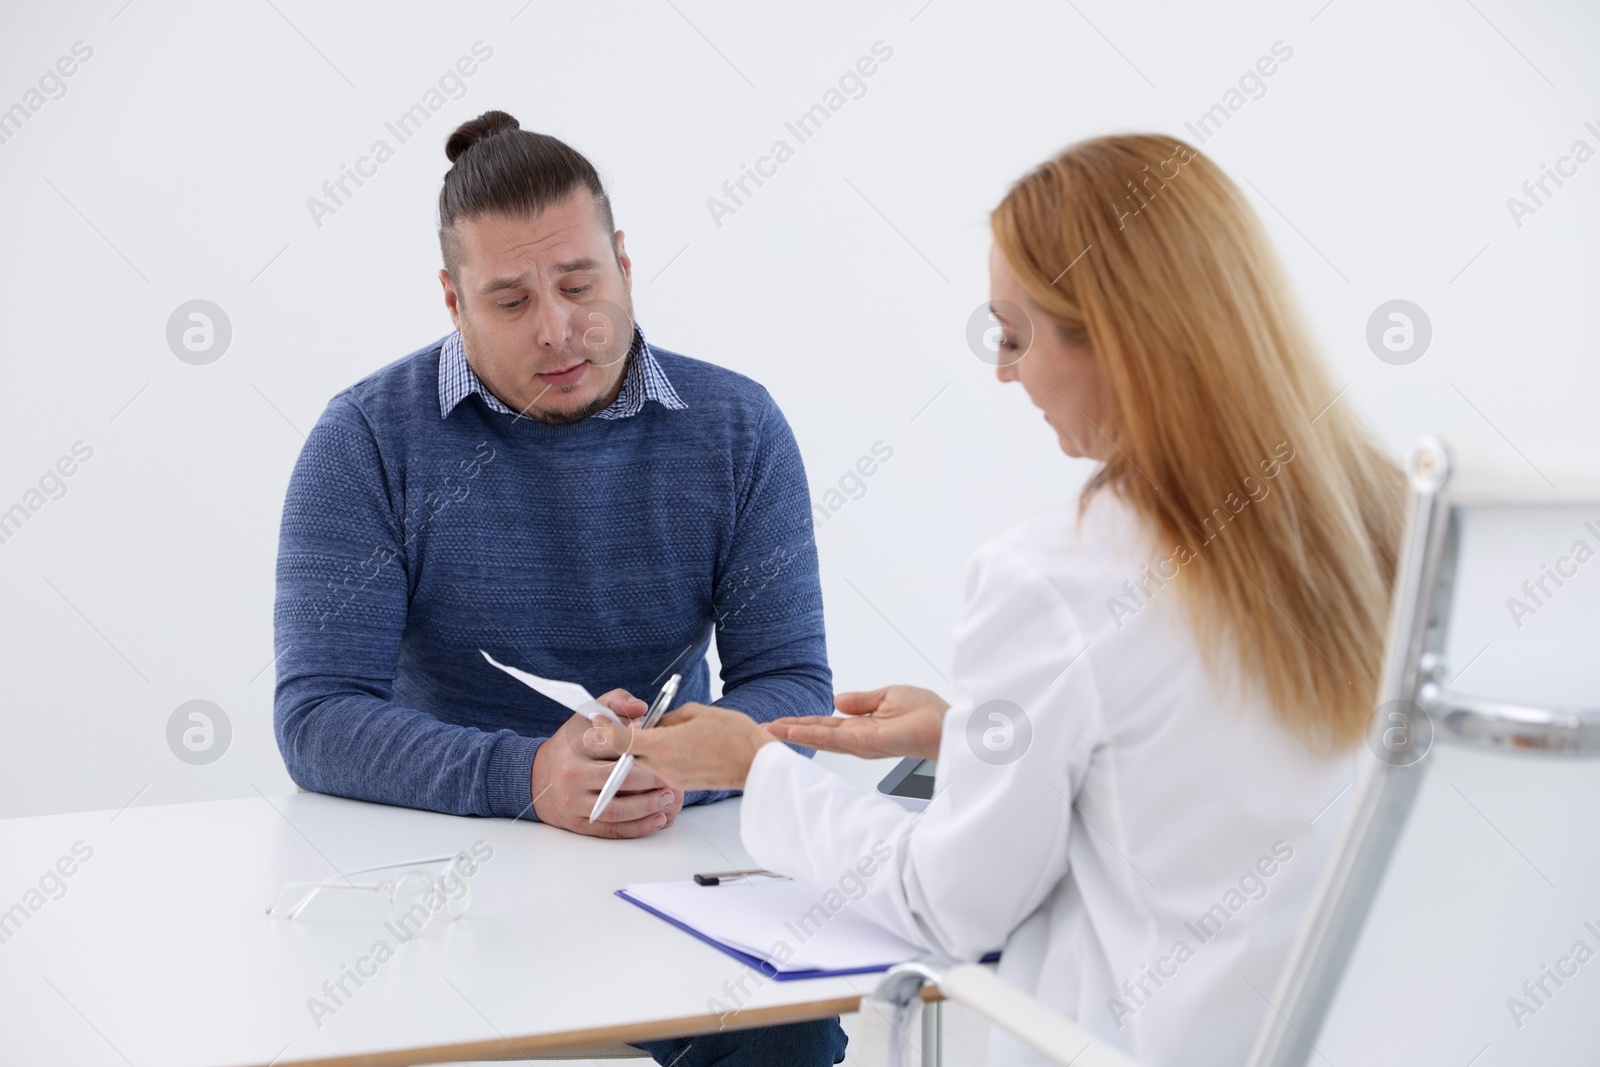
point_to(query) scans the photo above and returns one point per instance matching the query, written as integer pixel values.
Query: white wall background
(178, 163)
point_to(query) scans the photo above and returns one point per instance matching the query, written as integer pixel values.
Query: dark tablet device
(911, 782)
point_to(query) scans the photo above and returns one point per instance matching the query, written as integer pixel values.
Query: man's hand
(569, 772)
(897, 720)
(695, 746)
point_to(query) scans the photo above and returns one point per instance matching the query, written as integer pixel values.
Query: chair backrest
(1454, 915)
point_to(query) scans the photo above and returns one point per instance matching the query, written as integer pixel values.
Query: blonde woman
(1155, 693)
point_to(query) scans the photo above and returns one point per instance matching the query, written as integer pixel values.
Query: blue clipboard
(762, 965)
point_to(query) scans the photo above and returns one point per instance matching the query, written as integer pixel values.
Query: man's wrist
(535, 790)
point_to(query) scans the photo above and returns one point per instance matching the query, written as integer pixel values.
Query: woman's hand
(897, 720)
(695, 746)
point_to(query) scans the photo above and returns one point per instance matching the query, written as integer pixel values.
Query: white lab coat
(1145, 801)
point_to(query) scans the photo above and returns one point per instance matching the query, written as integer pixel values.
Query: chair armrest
(1027, 1019)
(975, 986)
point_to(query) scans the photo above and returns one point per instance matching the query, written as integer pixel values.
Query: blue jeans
(814, 1044)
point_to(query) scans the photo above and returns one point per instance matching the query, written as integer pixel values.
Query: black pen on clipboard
(718, 877)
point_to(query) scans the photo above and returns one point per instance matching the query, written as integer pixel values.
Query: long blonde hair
(1144, 248)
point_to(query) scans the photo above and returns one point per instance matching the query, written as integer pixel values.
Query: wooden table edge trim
(507, 1048)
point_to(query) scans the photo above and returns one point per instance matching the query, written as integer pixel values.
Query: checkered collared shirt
(643, 380)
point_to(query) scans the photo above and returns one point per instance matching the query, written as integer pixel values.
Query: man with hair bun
(543, 485)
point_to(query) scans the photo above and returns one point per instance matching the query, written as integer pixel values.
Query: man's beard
(568, 418)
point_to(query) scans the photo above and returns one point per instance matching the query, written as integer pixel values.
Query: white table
(160, 954)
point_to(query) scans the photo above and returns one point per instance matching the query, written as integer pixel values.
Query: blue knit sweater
(606, 552)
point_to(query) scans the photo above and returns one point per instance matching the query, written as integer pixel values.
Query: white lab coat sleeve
(959, 876)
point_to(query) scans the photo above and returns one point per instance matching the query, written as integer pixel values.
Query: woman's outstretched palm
(897, 720)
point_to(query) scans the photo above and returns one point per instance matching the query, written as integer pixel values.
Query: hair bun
(472, 131)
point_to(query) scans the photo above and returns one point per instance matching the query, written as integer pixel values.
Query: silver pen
(657, 709)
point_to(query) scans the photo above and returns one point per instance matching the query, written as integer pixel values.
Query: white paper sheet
(754, 915)
(567, 694)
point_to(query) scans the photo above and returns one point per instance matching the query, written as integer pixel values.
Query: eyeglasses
(405, 892)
